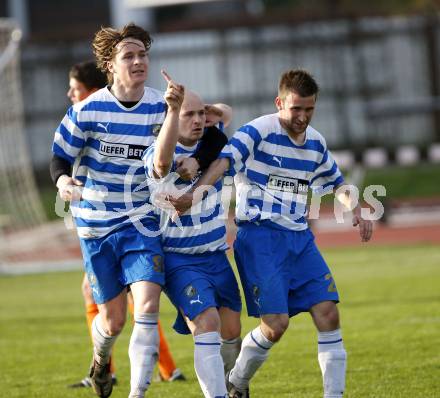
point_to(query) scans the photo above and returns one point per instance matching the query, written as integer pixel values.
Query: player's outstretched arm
(167, 139)
(365, 226)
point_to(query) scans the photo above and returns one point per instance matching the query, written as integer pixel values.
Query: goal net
(26, 242)
(20, 205)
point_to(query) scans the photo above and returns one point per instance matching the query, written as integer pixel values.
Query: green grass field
(390, 313)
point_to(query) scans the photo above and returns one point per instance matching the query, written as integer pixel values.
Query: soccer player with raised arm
(275, 159)
(198, 277)
(104, 137)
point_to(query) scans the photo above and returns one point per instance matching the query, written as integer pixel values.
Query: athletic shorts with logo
(281, 271)
(122, 257)
(196, 282)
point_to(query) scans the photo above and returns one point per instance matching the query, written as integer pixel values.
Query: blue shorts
(120, 258)
(196, 282)
(282, 272)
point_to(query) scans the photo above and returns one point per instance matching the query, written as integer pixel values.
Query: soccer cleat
(101, 379)
(84, 383)
(87, 383)
(234, 392)
(177, 376)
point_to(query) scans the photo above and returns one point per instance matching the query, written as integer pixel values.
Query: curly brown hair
(298, 80)
(106, 39)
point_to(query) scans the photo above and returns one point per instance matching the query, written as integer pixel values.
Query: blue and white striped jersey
(272, 174)
(105, 142)
(201, 229)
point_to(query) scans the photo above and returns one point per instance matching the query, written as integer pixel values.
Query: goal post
(20, 204)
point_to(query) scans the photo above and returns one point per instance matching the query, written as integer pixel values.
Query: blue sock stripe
(200, 343)
(257, 343)
(146, 323)
(330, 342)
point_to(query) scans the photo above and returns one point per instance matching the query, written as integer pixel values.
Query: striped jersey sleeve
(327, 175)
(241, 145)
(69, 137)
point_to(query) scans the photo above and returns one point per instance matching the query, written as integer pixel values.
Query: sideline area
(51, 247)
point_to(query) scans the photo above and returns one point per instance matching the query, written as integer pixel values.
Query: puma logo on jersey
(278, 160)
(105, 127)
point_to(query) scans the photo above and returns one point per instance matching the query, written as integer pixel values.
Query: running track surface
(55, 244)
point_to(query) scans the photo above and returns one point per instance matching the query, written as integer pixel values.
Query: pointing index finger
(165, 75)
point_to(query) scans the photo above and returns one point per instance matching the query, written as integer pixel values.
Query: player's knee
(329, 317)
(149, 307)
(230, 323)
(275, 330)
(230, 330)
(332, 320)
(114, 326)
(207, 321)
(278, 331)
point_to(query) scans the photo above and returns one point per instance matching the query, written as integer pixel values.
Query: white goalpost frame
(20, 204)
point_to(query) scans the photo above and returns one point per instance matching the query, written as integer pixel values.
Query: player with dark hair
(275, 159)
(84, 79)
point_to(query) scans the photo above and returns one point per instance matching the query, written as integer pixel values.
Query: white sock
(143, 352)
(332, 359)
(209, 365)
(254, 351)
(229, 351)
(102, 342)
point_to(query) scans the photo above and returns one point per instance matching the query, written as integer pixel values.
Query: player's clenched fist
(69, 188)
(174, 93)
